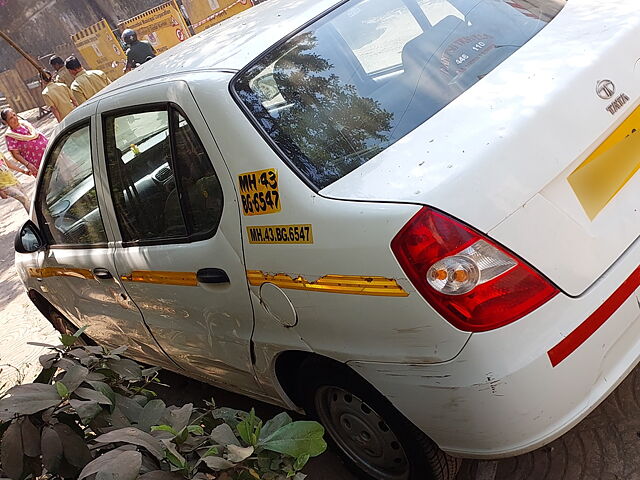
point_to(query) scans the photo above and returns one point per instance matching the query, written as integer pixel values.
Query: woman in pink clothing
(26, 144)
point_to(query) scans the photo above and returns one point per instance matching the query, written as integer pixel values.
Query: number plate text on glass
(259, 192)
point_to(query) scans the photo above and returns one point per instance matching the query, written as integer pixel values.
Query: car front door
(180, 254)
(76, 272)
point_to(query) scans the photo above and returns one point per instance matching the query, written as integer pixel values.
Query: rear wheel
(368, 431)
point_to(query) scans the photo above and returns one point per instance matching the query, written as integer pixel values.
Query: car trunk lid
(541, 154)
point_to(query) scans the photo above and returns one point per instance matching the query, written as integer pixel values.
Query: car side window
(162, 182)
(202, 193)
(67, 202)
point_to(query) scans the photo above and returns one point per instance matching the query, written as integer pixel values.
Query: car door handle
(212, 275)
(102, 273)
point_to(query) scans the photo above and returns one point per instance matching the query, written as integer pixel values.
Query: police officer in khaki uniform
(62, 75)
(57, 96)
(87, 82)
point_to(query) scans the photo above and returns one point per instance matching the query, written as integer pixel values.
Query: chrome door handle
(102, 273)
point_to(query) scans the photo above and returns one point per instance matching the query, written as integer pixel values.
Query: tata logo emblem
(605, 89)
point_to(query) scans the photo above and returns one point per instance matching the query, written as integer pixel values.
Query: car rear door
(180, 250)
(76, 272)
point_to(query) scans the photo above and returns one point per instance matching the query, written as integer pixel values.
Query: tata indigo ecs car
(416, 220)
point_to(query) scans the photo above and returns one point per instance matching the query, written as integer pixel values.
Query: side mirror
(29, 239)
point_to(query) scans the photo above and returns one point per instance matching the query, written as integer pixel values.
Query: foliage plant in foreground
(92, 414)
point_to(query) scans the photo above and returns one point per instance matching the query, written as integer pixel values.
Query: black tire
(377, 441)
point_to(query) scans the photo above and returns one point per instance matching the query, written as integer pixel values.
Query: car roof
(231, 44)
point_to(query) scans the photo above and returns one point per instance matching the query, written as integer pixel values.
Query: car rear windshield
(342, 90)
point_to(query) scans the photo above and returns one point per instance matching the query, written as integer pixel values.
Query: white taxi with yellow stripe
(416, 220)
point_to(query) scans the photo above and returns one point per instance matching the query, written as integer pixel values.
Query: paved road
(605, 446)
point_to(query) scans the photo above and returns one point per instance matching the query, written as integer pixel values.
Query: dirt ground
(20, 321)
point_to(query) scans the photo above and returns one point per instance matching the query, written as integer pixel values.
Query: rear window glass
(353, 83)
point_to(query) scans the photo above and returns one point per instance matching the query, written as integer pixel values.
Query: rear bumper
(509, 392)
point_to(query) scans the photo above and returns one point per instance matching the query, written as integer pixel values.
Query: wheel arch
(42, 304)
(289, 365)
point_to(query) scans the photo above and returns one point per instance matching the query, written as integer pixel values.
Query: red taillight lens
(472, 282)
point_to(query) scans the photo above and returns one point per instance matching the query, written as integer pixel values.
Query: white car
(416, 220)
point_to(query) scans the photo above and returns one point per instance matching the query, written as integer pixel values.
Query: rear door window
(347, 87)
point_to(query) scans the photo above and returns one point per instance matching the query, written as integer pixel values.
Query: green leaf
(126, 369)
(301, 461)
(223, 435)
(218, 463)
(45, 345)
(179, 417)
(93, 395)
(129, 407)
(68, 340)
(103, 461)
(74, 448)
(80, 331)
(164, 428)
(104, 389)
(79, 353)
(211, 451)
(62, 390)
(182, 436)
(74, 377)
(174, 457)
(86, 410)
(275, 424)
(151, 415)
(125, 467)
(230, 416)
(51, 447)
(150, 372)
(297, 439)
(30, 438)
(249, 428)
(29, 399)
(195, 429)
(118, 351)
(48, 360)
(238, 454)
(11, 454)
(134, 436)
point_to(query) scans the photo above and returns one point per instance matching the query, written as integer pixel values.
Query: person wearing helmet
(138, 51)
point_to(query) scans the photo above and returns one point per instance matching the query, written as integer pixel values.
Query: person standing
(138, 52)
(62, 74)
(10, 186)
(57, 96)
(26, 144)
(87, 82)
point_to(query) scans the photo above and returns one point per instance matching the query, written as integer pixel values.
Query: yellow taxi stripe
(186, 279)
(347, 284)
(61, 272)
(603, 174)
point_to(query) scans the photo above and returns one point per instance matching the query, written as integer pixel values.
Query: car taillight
(473, 283)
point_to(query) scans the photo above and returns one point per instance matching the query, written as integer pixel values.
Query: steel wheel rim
(361, 433)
